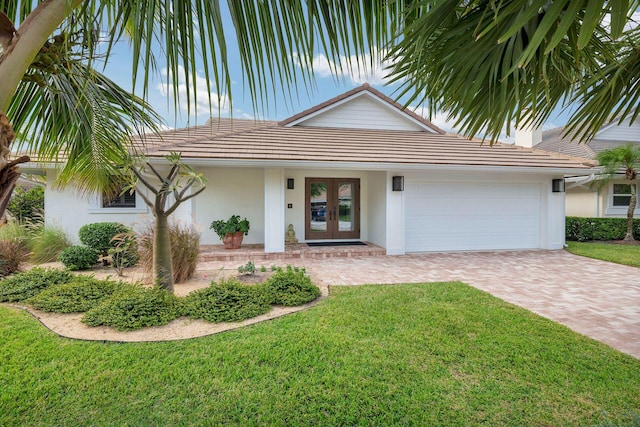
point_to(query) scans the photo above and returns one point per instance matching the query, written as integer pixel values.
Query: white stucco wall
(231, 191)
(70, 210)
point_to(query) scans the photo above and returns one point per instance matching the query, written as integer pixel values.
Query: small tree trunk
(162, 262)
(9, 172)
(632, 208)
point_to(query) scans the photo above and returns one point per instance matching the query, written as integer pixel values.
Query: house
(356, 167)
(584, 196)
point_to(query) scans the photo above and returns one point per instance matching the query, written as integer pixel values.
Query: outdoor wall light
(289, 183)
(397, 183)
(557, 185)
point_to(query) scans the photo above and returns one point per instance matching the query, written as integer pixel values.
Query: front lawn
(420, 354)
(620, 254)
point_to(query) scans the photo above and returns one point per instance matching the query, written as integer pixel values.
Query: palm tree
(488, 63)
(482, 61)
(276, 40)
(625, 157)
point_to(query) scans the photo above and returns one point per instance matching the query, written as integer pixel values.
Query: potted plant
(232, 231)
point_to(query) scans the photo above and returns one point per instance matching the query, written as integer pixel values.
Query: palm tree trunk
(9, 172)
(162, 262)
(632, 208)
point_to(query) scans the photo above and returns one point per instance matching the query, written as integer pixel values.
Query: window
(126, 200)
(621, 194)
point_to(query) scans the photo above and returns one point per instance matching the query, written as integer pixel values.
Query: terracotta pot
(233, 240)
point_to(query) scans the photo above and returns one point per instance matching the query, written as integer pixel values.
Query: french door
(332, 208)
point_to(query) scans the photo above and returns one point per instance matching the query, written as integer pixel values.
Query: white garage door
(471, 216)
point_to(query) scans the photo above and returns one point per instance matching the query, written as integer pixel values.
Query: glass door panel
(345, 207)
(318, 207)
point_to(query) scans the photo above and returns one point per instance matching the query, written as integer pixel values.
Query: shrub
(99, 235)
(26, 285)
(14, 248)
(78, 257)
(291, 287)
(12, 254)
(227, 301)
(27, 205)
(47, 244)
(248, 268)
(82, 293)
(583, 229)
(185, 247)
(125, 251)
(134, 307)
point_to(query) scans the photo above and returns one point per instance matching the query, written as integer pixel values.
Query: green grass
(422, 354)
(620, 254)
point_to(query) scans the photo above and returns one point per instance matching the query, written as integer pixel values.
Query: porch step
(292, 252)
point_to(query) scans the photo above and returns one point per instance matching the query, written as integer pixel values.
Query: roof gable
(361, 108)
(620, 132)
(609, 136)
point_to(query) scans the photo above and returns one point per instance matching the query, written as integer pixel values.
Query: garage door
(471, 216)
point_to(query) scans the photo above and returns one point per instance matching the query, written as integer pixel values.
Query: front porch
(256, 253)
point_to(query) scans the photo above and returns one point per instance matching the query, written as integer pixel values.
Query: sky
(327, 86)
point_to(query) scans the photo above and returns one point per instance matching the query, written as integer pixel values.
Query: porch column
(395, 218)
(555, 233)
(274, 210)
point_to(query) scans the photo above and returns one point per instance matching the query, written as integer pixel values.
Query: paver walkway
(596, 298)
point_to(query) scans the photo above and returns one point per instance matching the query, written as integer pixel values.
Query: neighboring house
(584, 196)
(357, 167)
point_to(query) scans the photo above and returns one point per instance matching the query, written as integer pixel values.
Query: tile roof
(554, 141)
(238, 139)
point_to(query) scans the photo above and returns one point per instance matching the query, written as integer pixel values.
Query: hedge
(582, 229)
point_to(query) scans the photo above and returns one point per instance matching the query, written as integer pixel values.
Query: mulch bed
(617, 242)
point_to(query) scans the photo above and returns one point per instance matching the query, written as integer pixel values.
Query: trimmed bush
(99, 235)
(81, 294)
(227, 301)
(47, 244)
(134, 307)
(583, 229)
(25, 285)
(27, 205)
(78, 257)
(185, 247)
(291, 287)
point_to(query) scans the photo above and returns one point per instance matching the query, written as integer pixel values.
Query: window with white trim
(124, 200)
(621, 195)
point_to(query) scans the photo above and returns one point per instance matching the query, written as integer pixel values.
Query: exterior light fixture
(557, 185)
(397, 183)
(290, 184)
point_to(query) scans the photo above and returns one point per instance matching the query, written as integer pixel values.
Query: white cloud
(198, 105)
(633, 21)
(358, 69)
(446, 123)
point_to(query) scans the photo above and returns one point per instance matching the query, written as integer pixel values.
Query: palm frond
(80, 117)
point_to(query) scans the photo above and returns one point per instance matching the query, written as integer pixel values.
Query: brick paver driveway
(596, 298)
